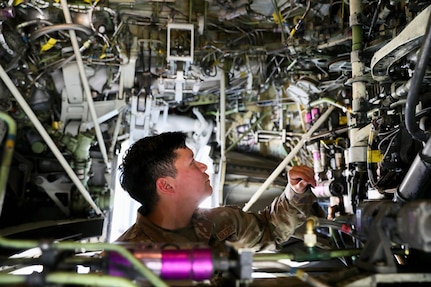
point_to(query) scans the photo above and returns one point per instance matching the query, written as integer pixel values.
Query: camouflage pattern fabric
(216, 227)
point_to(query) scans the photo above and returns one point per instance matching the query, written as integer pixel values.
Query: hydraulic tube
(416, 182)
(357, 150)
(7, 155)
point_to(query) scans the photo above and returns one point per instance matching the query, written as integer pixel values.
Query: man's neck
(170, 218)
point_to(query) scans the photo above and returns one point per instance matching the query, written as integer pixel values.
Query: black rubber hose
(60, 27)
(414, 91)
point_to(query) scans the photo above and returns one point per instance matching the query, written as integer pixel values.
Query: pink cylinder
(186, 264)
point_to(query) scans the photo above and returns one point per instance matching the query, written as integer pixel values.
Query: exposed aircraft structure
(342, 86)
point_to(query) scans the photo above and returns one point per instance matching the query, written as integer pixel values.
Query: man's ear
(164, 185)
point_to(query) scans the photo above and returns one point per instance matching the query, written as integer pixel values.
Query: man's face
(192, 184)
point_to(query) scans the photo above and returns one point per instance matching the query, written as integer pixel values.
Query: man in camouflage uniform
(161, 174)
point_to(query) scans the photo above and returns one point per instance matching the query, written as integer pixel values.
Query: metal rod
(222, 168)
(86, 85)
(287, 159)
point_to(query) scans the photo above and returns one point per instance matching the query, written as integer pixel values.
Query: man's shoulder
(139, 231)
(218, 221)
(218, 216)
(210, 213)
(132, 234)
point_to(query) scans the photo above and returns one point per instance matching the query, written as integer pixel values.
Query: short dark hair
(147, 160)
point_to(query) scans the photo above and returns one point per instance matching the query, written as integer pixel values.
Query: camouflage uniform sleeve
(293, 207)
(266, 229)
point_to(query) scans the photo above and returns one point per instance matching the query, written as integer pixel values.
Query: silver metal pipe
(287, 159)
(222, 167)
(86, 85)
